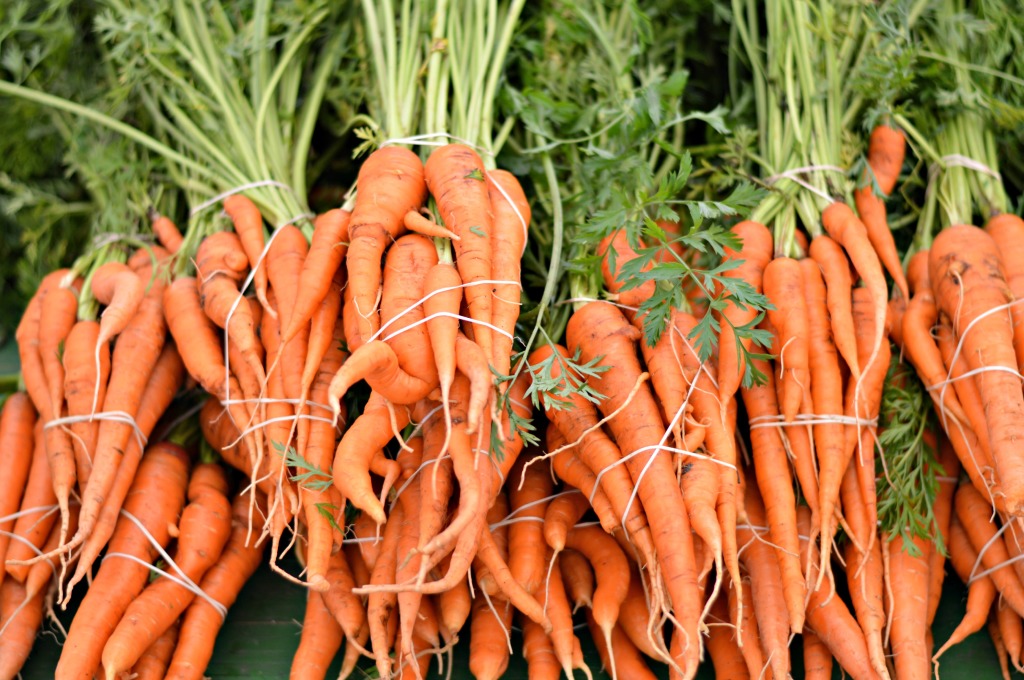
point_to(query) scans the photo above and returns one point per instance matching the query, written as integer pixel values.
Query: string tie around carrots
(115, 416)
(178, 576)
(237, 190)
(811, 419)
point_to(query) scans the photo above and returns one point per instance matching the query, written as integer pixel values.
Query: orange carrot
(835, 268)
(442, 298)
(973, 511)
(488, 651)
(726, 656)
(380, 605)
(155, 500)
(578, 578)
(249, 226)
(153, 663)
(538, 652)
(222, 582)
(17, 437)
(339, 599)
(1007, 231)
(32, 528)
(784, 288)
(82, 385)
(529, 501)
(389, 185)
(167, 233)
(965, 273)
(326, 252)
(508, 240)
(755, 253)
(621, 659)
(21, 620)
(121, 290)
(611, 569)
(981, 592)
(908, 581)
(817, 658)
(456, 177)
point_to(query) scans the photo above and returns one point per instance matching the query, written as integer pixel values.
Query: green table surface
(262, 630)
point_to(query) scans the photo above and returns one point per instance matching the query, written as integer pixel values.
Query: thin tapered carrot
(442, 299)
(167, 376)
(222, 582)
(1007, 230)
(817, 658)
(635, 618)
(967, 391)
(597, 450)
(540, 657)
(167, 233)
(58, 314)
(410, 603)
(456, 605)
(18, 432)
(745, 624)
(153, 664)
(835, 268)
(456, 177)
(556, 604)
(726, 655)
(508, 240)
(82, 387)
(156, 498)
(700, 481)
(885, 158)
(32, 528)
(21, 620)
(346, 607)
(578, 578)
(528, 503)
(829, 617)
(948, 474)
(380, 605)
(864, 572)
(406, 266)
(226, 307)
(436, 491)
(284, 266)
(367, 435)
(569, 468)
(248, 224)
(621, 659)
(488, 652)
(997, 642)
(981, 592)
(204, 529)
(767, 586)
(966, 274)
(1010, 628)
(908, 575)
(507, 588)
(562, 514)
(973, 511)
(326, 252)
(771, 469)
(121, 290)
(755, 253)
(418, 223)
(599, 328)
(221, 254)
(784, 288)
(390, 184)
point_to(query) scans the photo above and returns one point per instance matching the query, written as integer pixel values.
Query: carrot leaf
(312, 477)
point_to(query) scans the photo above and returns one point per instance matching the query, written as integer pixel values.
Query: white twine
(237, 190)
(266, 400)
(425, 138)
(446, 289)
(182, 578)
(511, 518)
(589, 299)
(423, 465)
(974, 371)
(974, 575)
(792, 175)
(959, 160)
(803, 419)
(279, 419)
(452, 315)
(49, 509)
(115, 416)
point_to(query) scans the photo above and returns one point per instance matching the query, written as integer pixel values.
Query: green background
(262, 630)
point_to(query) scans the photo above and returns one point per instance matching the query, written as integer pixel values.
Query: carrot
(908, 576)
(1010, 628)
(596, 449)
(488, 652)
(221, 254)
(320, 642)
(635, 618)
(949, 469)
(578, 579)
(885, 158)
(437, 491)
(166, 378)
(203, 531)
(538, 652)
(326, 252)
(377, 363)
(153, 663)
(422, 224)
(726, 656)
(614, 251)
(598, 328)
(58, 314)
(817, 658)
(346, 607)
(121, 290)
(1007, 230)
(32, 528)
(965, 272)
(390, 184)
(284, 266)
(767, 587)
(17, 442)
(746, 630)
(771, 469)
(20, 619)
(621, 658)
(828, 616)
(556, 604)
(835, 268)
(381, 604)
(368, 434)
(611, 568)
(570, 469)
(843, 226)
(82, 387)
(971, 508)
(167, 233)
(41, 573)
(456, 605)
(784, 288)
(226, 307)
(529, 500)
(157, 496)
(754, 255)
(508, 241)
(967, 391)
(408, 262)
(864, 572)
(699, 482)
(981, 592)
(248, 224)
(222, 582)
(997, 642)
(442, 297)
(563, 513)
(456, 178)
